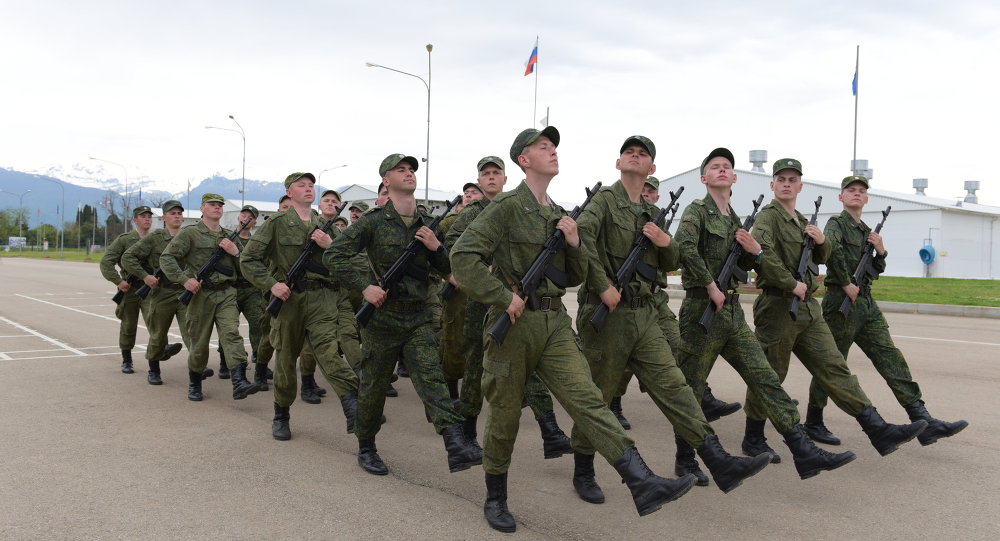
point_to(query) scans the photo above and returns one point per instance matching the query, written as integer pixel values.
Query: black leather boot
(815, 427)
(469, 429)
(754, 442)
(349, 402)
(495, 508)
(453, 390)
(308, 390)
(241, 387)
(461, 455)
(207, 373)
(936, 428)
(170, 350)
(260, 376)
(280, 428)
(391, 391)
(649, 491)
(714, 409)
(223, 367)
(402, 371)
(368, 458)
(127, 361)
(585, 480)
(809, 459)
(685, 462)
(729, 471)
(154, 373)
(194, 387)
(616, 408)
(555, 443)
(320, 391)
(885, 437)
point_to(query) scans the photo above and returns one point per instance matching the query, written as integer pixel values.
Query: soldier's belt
(865, 291)
(242, 284)
(171, 285)
(732, 297)
(311, 285)
(774, 292)
(634, 303)
(405, 306)
(212, 286)
(548, 304)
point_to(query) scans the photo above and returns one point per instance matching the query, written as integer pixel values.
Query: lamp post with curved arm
(62, 211)
(20, 206)
(243, 175)
(320, 174)
(125, 215)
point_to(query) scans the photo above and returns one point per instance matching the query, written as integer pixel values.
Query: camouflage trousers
(810, 340)
(127, 312)
(731, 337)
(250, 303)
(391, 336)
(671, 330)
(452, 336)
(161, 308)
(346, 335)
(542, 343)
(632, 337)
(216, 308)
(866, 326)
(265, 350)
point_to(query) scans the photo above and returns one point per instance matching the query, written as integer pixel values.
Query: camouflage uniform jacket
(191, 248)
(609, 227)
(273, 249)
(704, 237)
(113, 257)
(781, 237)
(847, 240)
(462, 221)
(383, 235)
(510, 233)
(147, 250)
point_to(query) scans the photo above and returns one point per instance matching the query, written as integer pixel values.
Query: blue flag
(854, 84)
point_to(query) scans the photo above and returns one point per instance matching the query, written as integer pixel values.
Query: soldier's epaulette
(122, 235)
(699, 202)
(501, 197)
(191, 225)
(371, 210)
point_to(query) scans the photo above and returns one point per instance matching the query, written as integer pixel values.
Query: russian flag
(532, 60)
(854, 84)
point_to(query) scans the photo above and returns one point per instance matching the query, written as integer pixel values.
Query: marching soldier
(128, 309)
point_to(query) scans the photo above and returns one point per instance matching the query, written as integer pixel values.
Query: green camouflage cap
(529, 136)
(490, 159)
(471, 185)
(141, 209)
(723, 152)
(170, 205)
(360, 205)
(787, 163)
(654, 182)
(252, 210)
(852, 179)
(282, 199)
(212, 198)
(392, 160)
(334, 192)
(642, 141)
(340, 219)
(296, 176)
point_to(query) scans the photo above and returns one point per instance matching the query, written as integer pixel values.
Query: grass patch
(959, 291)
(68, 254)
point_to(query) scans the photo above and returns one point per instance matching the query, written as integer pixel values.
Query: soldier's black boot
(368, 458)
(308, 391)
(461, 455)
(453, 390)
(241, 387)
(686, 463)
(194, 387)
(223, 367)
(809, 459)
(616, 408)
(584, 479)
(391, 391)
(127, 361)
(649, 491)
(154, 373)
(886, 437)
(349, 402)
(754, 442)
(495, 508)
(816, 429)
(555, 443)
(729, 471)
(402, 371)
(714, 409)
(320, 391)
(260, 376)
(936, 428)
(280, 429)
(170, 350)
(469, 429)
(207, 373)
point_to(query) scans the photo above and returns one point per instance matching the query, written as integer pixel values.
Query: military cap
(360, 205)
(282, 199)
(787, 163)
(642, 141)
(170, 205)
(852, 179)
(392, 160)
(529, 136)
(334, 192)
(488, 160)
(251, 209)
(723, 152)
(654, 182)
(212, 198)
(296, 176)
(471, 185)
(141, 209)
(340, 219)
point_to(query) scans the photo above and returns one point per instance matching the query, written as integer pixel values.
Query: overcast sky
(136, 82)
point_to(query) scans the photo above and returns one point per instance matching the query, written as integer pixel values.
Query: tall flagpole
(857, 76)
(534, 112)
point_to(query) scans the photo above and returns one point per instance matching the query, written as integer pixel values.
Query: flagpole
(534, 112)
(857, 86)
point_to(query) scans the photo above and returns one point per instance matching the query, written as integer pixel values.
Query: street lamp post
(427, 83)
(320, 174)
(243, 175)
(20, 206)
(62, 211)
(125, 215)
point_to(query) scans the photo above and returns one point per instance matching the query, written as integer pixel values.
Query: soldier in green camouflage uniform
(400, 325)
(248, 301)
(307, 317)
(161, 302)
(705, 234)
(453, 309)
(127, 311)
(214, 300)
(780, 230)
(489, 259)
(864, 325)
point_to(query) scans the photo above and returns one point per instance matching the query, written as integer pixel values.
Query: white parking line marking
(43, 337)
(946, 340)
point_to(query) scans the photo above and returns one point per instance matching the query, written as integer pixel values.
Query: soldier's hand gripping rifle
(806, 265)
(144, 290)
(730, 268)
(212, 264)
(634, 264)
(403, 266)
(133, 281)
(304, 263)
(865, 272)
(539, 270)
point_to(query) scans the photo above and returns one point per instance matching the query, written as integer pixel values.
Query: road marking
(946, 340)
(43, 337)
(15, 336)
(109, 318)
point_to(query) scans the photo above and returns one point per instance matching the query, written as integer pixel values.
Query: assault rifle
(403, 266)
(806, 265)
(133, 281)
(212, 264)
(730, 269)
(304, 263)
(539, 270)
(865, 272)
(634, 264)
(144, 290)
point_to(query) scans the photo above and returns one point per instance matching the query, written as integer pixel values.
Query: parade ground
(91, 453)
